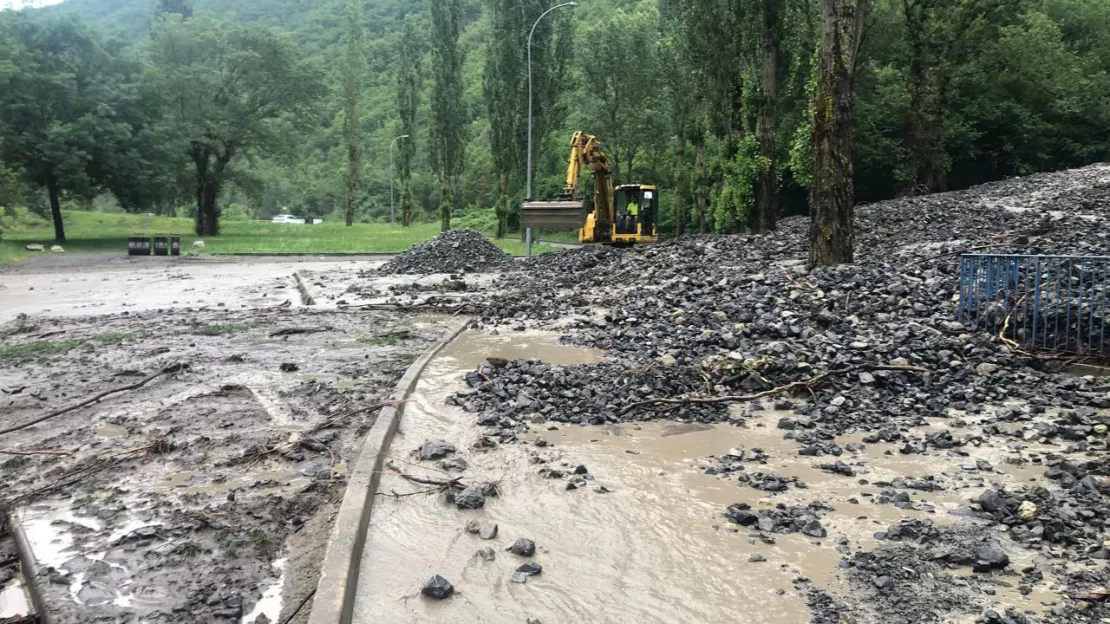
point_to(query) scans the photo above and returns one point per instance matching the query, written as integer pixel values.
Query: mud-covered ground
(192, 496)
(876, 460)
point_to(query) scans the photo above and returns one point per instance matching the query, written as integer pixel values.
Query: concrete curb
(30, 567)
(306, 296)
(334, 601)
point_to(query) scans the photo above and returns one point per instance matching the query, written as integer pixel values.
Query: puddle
(94, 580)
(270, 603)
(109, 430)
(627, 555)
(192, 482)
(13, 600)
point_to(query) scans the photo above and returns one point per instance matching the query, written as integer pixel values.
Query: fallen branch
(172, 368)
(98, 465)
(61, 453)
(809, 383)
(308, 435)
(957, 252)
(292, 331)
(300, 606)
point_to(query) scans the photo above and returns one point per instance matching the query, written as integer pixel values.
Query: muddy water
(647, 551)
(655, 548)
(13, 600)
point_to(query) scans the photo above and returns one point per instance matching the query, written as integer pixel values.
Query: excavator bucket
(553, 215)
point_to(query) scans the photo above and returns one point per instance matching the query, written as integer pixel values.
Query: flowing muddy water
(646, 551)
(655, 547)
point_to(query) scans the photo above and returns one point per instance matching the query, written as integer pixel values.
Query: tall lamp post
(528, 196)
(395, 139)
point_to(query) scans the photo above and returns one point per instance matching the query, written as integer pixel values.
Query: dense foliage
(163, 103)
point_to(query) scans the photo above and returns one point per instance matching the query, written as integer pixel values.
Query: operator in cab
(633, 213)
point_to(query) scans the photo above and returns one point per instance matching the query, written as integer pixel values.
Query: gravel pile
(873, 347)
(455, 251)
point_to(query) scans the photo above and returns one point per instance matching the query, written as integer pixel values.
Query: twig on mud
(158, 446)
(307, 435)
(172, 368)
(292, 331)
(97, 465)
(809, 383)
(300, 606)
(10, 452)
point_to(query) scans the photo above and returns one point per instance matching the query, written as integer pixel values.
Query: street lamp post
(395, 139)
(528, 196)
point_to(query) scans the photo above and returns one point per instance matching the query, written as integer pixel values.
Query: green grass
(113, 338)
(108, 232)
(219, 329)
(11, 355)
(386, 340)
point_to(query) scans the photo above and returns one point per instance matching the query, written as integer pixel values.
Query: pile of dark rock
(454, 251)
(781, 519)
(873, 347)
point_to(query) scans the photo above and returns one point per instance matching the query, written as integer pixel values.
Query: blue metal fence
(1057, 303)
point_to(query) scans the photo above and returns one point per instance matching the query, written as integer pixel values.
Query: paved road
(82, 284)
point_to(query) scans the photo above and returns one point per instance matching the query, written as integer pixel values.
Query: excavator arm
(566, 211)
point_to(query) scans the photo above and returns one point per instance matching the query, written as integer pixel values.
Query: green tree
(353, 66)
(229, 91)
(619, 58)
(831, 192)
(448, 115)
(58, 87)
(180, 7)
(505, 88)
(410, 85)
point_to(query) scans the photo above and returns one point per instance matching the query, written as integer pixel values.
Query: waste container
(161, 245)
(175, 245)
(138, 245)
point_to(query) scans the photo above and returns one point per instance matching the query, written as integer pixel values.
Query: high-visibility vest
(634, 209)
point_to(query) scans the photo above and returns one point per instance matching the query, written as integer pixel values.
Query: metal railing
(1057, 303)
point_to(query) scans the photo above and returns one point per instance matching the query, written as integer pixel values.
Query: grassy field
(108, 232)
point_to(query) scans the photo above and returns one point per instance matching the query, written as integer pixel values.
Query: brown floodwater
(647, 551)
(656, 547)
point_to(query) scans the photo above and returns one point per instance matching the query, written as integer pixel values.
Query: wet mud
(184, 499)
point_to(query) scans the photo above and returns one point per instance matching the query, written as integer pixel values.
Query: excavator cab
(637, 209)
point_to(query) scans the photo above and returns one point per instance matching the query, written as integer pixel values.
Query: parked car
(288, 219)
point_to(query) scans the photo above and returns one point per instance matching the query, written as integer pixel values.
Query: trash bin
(175, 245)
(161, 245)
(138, 245)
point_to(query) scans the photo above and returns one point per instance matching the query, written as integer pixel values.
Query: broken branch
(172, 368)
(61, 453)
(809, 383)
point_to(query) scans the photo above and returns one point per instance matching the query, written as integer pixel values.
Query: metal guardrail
(1056, 303)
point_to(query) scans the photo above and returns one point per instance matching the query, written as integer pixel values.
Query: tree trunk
(352, 186)
(209, 180)
(831, 193)
(56, 208)
(406, 204)
(699, 183)
(447, 197)
(766, 187)
(679, 178)
(502, 203)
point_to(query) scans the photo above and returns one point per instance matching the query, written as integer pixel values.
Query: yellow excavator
(621, 216)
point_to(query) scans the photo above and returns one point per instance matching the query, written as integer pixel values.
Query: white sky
(19, 4)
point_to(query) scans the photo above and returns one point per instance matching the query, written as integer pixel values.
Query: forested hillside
(710, 99)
